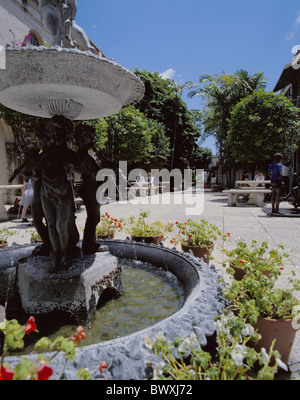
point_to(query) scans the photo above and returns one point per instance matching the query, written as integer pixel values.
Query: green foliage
(184, 359)
(5, 233)
(220, 94)
(201, 157)
(194, 233)
(130, 136)
(108, 226)
(261, 125)
(139, 227)
(256, 257)
(162, 103)
(24, 127)
(40, 369)
(256, 296)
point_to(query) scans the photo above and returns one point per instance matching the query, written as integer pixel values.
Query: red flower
(79, 335)
(190, 237)
(281, 268)
(242, 261)
(176, 223)
(44, 372)
(30, 326)
(228, 234)
(102, 366)
(6, 374)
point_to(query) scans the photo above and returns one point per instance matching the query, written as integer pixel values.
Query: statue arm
(73, 7)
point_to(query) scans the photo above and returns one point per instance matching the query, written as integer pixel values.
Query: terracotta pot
(198, 251)
(240, 272)
(281, 330)
(36, 240)
(3, 245)
(150, 239)
(112, 235)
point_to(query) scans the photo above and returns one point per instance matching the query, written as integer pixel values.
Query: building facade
(18, 18)
(289, 84)
(20, 21)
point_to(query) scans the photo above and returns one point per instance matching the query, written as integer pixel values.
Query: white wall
(20, 19)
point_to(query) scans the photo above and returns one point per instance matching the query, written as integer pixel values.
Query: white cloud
(168, 74)
(292, 34)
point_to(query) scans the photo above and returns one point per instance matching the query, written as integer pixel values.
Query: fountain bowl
(46, 81)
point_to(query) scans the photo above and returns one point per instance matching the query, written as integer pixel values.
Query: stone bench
(256, 194)
(133, 190)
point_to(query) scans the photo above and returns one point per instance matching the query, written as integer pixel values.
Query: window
(33, 38)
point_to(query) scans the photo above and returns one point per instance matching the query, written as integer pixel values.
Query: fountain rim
(189, 311)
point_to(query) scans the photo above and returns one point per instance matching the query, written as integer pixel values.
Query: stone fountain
(62, 83)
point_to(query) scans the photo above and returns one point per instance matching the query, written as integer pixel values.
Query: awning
(288, 75)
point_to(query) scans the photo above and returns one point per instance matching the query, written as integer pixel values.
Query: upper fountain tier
(43, 82)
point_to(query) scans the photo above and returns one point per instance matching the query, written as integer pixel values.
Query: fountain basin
(74, 291)
(128, 356)
(43, 82)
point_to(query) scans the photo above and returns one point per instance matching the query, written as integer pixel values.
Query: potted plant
(255, 257)
(270, 309)
(198, 237)
(149, 232)
(34, 236)
(184, 359)
(5, 233)
(108, 226)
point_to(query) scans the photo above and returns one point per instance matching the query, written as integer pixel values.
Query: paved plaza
(243, 221)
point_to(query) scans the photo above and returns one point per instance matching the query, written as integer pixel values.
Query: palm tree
(220, 94)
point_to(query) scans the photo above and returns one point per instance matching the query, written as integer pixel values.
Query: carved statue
(56, 190)
(32, 159)
(50, 170)
(60, 20)
(84, 138)
(50, 19)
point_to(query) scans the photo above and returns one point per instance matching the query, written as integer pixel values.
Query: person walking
(275, 170)
(26, 200)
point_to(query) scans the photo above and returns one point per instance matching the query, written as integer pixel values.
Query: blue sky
(191, 37)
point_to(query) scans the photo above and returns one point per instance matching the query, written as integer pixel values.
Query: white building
(18, 18)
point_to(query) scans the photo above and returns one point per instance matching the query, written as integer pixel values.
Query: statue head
(56, 131)
(85, 136)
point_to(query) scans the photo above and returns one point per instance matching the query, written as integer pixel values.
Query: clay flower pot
(147, 239)
(281, 330)
(240, 272)
(3, 245)
(198, 251)
(112, 235)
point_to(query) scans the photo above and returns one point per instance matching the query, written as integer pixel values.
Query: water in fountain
(149, 296)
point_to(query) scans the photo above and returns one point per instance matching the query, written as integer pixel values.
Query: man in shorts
(275, 170)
